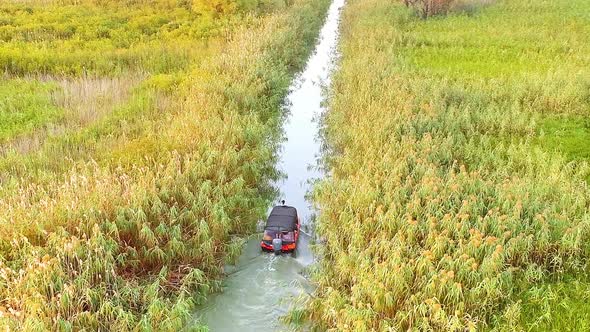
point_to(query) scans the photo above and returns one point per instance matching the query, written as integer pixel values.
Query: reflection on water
(262, 285)
(301, 129)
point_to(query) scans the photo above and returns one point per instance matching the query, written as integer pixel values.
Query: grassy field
(105, 37)
(135, 157)
(26, 105)
(457, 150)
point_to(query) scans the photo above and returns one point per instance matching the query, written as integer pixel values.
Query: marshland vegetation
(138, 143)
(457, 154)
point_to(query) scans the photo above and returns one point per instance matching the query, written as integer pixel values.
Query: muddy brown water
(261, 287)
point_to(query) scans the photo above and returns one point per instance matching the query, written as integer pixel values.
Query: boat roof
(283, 218)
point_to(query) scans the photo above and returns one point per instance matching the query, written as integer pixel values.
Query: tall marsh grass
(135, 228)
(442, 204)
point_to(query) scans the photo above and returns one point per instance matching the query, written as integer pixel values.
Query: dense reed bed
(126, 223)
(445, 209)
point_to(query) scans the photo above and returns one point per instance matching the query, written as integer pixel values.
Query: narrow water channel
(260, 288)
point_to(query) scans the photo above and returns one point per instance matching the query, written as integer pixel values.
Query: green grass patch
(566, 134)
(26, 105)
(569, 135)
(502, 40)
(557, 306)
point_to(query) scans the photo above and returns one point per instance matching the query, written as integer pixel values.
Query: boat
(282, 229)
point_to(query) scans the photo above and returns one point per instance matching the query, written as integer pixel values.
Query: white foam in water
(259, 292)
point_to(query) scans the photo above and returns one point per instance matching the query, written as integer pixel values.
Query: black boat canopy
(282, 218)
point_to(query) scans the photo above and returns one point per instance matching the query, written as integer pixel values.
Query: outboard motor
(277, 245)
